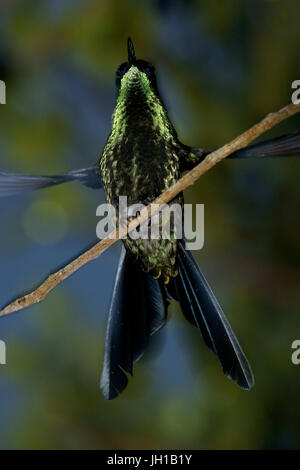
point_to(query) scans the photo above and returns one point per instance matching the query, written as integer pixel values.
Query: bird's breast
(140, 165)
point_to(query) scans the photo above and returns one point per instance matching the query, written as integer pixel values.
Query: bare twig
(187, 180)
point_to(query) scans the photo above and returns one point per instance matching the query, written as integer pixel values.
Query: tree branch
(187, 180)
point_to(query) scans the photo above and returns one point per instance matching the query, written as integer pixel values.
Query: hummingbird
(143, 157)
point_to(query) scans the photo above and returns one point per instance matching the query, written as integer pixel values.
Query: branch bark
(187, 180)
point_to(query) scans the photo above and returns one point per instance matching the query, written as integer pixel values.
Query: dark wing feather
(283, 146)
(287, 145)
(13, 183)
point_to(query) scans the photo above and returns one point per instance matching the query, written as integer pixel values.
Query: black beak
(131, 53)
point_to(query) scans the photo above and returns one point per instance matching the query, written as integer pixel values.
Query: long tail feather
(138, 310)
(202, 309)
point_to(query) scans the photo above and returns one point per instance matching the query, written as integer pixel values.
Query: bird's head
(135, 74)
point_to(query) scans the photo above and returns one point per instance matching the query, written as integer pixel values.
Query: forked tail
(139, 309)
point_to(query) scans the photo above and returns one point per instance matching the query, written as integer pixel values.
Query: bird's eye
(121, 70)
(148, 68)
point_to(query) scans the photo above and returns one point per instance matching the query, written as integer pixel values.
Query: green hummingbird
(142, 158)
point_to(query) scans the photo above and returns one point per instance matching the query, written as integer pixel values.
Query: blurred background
(221, 67)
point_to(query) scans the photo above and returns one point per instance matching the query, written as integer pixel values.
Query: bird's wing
(13, 183)
(284, 146)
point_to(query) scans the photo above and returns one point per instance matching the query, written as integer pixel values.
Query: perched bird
(142, 158)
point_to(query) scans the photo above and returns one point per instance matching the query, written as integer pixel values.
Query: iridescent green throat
(138, 106)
